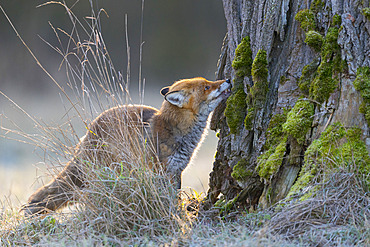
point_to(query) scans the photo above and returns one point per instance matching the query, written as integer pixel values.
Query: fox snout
(228, 86)
(224, 90)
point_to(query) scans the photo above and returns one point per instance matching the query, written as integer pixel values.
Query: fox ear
(176, 98)
(165, 90)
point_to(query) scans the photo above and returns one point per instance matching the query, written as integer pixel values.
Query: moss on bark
(240, 171)
(366, 12)
(306, 18)
(337, 148)
(314, 40)
(270, 162)
(309, 73)
(362, 84)
(243, 58)
(257, 93)
(236, 104)
(299, 120)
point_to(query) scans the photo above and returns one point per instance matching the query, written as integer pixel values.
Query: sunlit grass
(121, 202)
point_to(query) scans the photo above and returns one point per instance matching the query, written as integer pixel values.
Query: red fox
(176, 130)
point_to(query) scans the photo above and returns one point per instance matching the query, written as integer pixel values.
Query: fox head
(197, 95)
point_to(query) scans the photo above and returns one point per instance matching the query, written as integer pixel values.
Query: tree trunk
(300, 72)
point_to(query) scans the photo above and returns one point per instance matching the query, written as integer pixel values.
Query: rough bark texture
(272, 26)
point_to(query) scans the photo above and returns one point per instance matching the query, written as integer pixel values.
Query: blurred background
(181, 39)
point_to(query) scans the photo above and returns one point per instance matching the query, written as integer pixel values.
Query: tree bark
(272, 26)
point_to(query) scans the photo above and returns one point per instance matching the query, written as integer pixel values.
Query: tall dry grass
(337, 214)
(121, 199)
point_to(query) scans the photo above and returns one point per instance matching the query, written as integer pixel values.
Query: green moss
(323, 84)
(307, 19)
(240, 170)
(269, 162)
(337, 20)
(314, 40)
(317, 5)
(326, 80)
(331, 48)
(337, 147)
(248, 120)
(299, 120)
(274, 132)
(235, 106)
(362, 84)
(243, 58)
(259, 67)
(321, 81)
(235, 110)
(355, 150)
(283, 79)
(268, 194)
(261, 160)
(305, 177)
(366, 12)
(309, 73)
(258, 92)
(365, 109)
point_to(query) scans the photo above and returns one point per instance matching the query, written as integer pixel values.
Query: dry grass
(125, 199)
(128, 206)
(130, 203)
(337, 214)
(122, 202)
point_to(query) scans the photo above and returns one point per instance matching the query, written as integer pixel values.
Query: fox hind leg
(56, 193)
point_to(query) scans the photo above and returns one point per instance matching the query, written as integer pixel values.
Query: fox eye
(207, 87)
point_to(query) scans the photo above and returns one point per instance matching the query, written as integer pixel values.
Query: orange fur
(116, 134)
